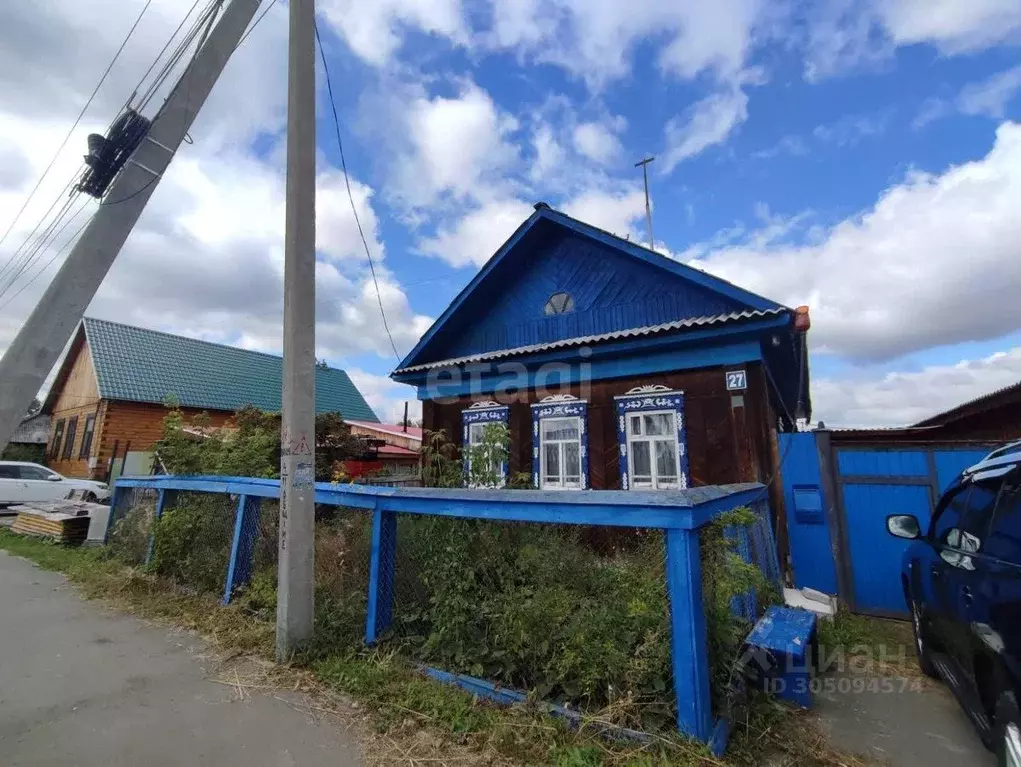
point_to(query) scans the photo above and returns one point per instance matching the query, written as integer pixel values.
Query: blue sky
(863, 158)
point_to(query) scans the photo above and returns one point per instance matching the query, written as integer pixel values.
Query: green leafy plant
(441, 466)
(249, 446)
(486, 459)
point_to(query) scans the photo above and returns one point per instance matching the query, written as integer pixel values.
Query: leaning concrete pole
(295, 581)
(39, 343)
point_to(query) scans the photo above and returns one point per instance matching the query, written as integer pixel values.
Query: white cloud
(844, 35)
(990, 97)
(475, 236)
(904, 398)
(374, 30)
(444, 149)
(951, 25)
(788, 145)
(851, 129)
(386, 397)
(549, 156)
(706, 123)
(594, 39)
(618, 211)
(597, 142)
(930, 263)
(206, 256)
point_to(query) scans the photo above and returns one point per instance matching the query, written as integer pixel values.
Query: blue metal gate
(856, 488)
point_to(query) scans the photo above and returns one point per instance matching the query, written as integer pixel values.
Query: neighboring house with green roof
(110, 393)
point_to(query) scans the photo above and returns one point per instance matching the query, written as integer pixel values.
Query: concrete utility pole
(644, 164)
(296, 576)
(39, 343)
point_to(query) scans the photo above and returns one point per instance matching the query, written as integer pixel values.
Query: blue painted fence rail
(678, 513)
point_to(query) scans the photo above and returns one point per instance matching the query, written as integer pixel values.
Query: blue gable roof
(615, 285)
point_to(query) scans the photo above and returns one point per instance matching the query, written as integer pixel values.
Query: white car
(20, 482)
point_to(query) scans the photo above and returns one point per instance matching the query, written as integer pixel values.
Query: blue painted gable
(614, 284)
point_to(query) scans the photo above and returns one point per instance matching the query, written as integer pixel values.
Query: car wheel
(922, 642)
(1008, 731)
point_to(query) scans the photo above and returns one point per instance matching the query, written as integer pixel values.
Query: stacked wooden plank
(66, 525)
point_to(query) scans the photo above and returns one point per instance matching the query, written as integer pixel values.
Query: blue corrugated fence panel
(911, 463)
(875, 554)
(950, 463)
(807, 526)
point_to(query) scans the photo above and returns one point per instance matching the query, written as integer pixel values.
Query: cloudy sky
(859, 156)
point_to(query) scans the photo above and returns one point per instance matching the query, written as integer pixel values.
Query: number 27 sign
(736, 380)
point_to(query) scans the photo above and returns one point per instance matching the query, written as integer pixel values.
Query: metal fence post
(118, 497)
(690, 653)
(161, 501)
(246, 524)
(381, 574)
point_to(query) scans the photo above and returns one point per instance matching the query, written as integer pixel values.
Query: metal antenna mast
(644, 165)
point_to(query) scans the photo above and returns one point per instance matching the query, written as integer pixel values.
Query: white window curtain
(560, 443)
(653, 448)
(651, 437)
(560, 453)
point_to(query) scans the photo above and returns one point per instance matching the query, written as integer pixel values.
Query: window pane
(8, 472)
(641, 461)
(666, 458)
(950, 516)
(32, 472)
(1004, 540)
(981, 500)
(552, 467)
(659, 424)
(572, 460)
(636, 425)
(559, 428)
(475, 432)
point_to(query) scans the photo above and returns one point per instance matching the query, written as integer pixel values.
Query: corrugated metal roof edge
(949, 415)
(613, 335)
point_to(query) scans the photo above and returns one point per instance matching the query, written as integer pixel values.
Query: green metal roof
(142, 365)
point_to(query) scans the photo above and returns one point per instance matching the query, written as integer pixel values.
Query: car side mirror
(54, 478)
(903, 526)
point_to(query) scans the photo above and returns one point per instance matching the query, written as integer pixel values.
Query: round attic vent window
(559, 303)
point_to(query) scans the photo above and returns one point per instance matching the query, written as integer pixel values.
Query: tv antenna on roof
(644, 165)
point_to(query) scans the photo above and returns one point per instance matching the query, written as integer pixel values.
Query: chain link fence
(193, 540)
(134, 516)
(576, 615)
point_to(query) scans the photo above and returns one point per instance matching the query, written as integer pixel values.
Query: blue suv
(962, 583)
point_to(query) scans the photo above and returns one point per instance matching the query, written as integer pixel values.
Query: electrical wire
(155, 61)
(12, 262)
(48, 264)
(350, 196)
(30, 255)
(76, 121)
(255, 24)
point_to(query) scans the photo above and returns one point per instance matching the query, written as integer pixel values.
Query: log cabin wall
(730, 435)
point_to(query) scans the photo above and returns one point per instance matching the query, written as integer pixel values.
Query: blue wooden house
(612, 365)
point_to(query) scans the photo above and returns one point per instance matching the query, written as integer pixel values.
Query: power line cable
(30, 255)
(350, 196)
(13, 259)
(156, 60)
(19, 260)
(55, 256)
(256, 23)
(76, 121)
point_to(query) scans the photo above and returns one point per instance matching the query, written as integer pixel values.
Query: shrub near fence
(592, 600)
